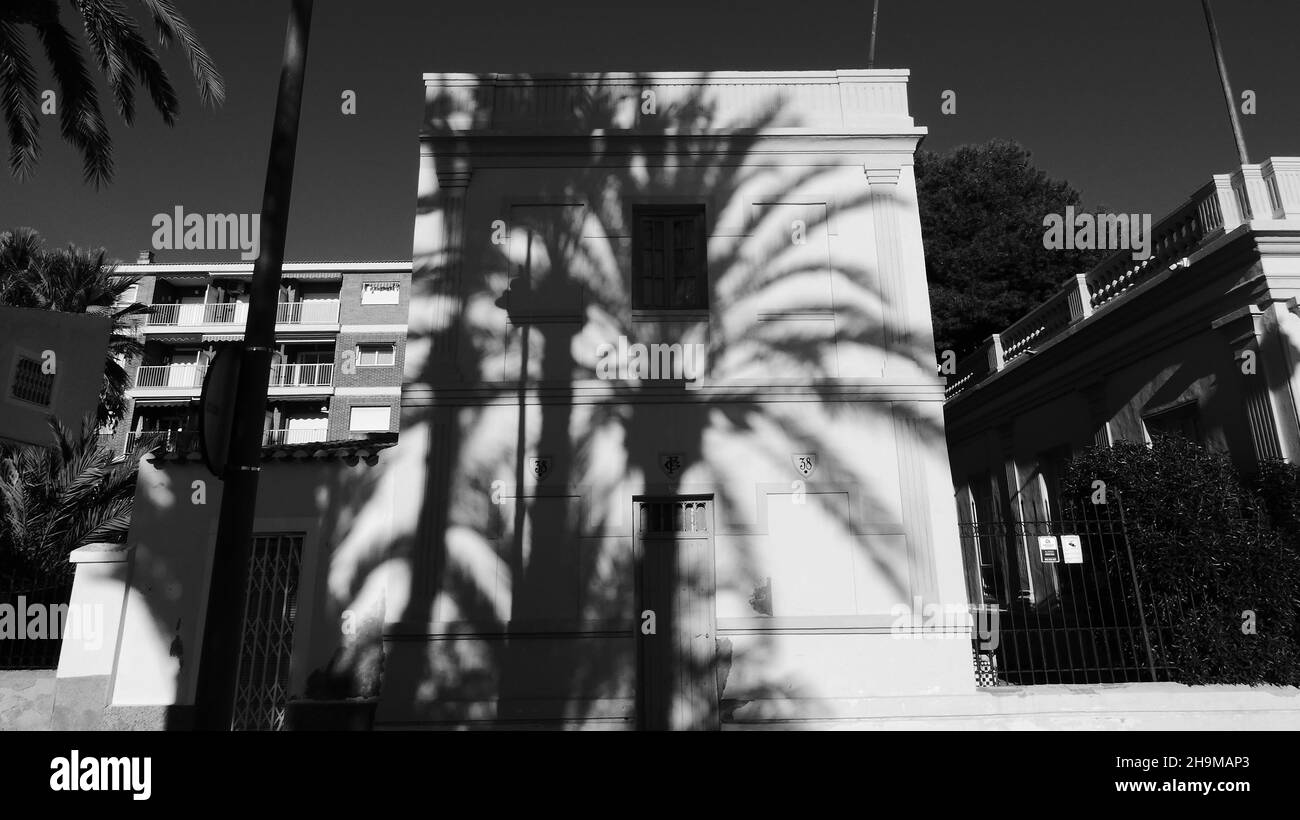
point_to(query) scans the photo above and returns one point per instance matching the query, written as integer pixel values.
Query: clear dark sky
(1120, 97)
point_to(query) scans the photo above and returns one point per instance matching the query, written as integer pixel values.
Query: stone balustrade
(1255, 194)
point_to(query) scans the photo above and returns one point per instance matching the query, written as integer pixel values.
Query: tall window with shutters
(669, 249)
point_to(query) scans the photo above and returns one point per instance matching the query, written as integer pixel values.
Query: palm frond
(173, 27)
(55, 499)
(104, 522)
(142, 60)
(81, 121)
(97, 22)
(18, 99)
(123, 55)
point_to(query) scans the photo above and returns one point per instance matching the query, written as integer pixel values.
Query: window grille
(30, 384)
(673, 517)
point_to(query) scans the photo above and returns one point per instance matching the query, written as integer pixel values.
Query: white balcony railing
(302, 375)
(296, 435)
(310, 312)
(190, 376)
(171, 375)
(170, 441)
(198, 314)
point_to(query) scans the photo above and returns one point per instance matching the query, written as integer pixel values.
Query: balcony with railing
(302, 375)
(295, 435)
(1255, 193)
(185, 442)
(308, 312)
(195, 314)
(190, 376)
(171, 442)
(187, 376)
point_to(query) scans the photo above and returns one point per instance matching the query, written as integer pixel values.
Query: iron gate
(1065, 614)
(47, 591)
(270, 615)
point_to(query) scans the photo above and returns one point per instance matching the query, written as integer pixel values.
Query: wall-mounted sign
(805, 463)
(540, 467)
(1048, 549)
(1072, 549)
(671, 463)
(217, 407)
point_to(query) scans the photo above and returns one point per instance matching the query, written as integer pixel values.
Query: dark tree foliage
(1220, 578)
(982, 210)
(1277, 484)
(74, 280)
(55, 499)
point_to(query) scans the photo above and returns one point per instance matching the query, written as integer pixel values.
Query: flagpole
(1227, 86)
(871, 51)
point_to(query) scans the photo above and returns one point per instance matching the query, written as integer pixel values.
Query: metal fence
(1071, 606)
(171, 442)
(22, 596)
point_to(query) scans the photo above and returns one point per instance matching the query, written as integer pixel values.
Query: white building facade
(671, 449)
(745, 540)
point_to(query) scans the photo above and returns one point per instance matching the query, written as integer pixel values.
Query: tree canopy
(982, 210)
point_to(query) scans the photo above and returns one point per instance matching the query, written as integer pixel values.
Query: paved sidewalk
(26, 698)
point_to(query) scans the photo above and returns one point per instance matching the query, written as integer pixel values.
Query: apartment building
(340, 338)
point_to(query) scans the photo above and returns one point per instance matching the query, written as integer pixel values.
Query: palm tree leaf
(19, 251)
(80, 119)
(18, 99)
(97, 19)
(172, 26)
(144, 62)
(53, 500)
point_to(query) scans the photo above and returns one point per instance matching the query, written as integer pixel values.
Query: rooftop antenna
(871, 52)
(1223, 77)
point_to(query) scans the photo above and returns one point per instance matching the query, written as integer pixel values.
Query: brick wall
(145, 289)
(368, 375)
(351, 311)
(341, 414)
(386, 377)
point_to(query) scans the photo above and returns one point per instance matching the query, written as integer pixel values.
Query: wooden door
(677, 686)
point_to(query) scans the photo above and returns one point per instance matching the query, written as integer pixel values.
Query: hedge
(1217, 556)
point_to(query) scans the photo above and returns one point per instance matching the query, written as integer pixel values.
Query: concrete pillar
(1259, 370)
(1223, 207)
(84, 682)
(1098, 417)
(1282, 178)
(1280, 349)
(1252, 193)
(909, 336)
(997, 359)
(438, 259)
(1080, 298)
(883, 186)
